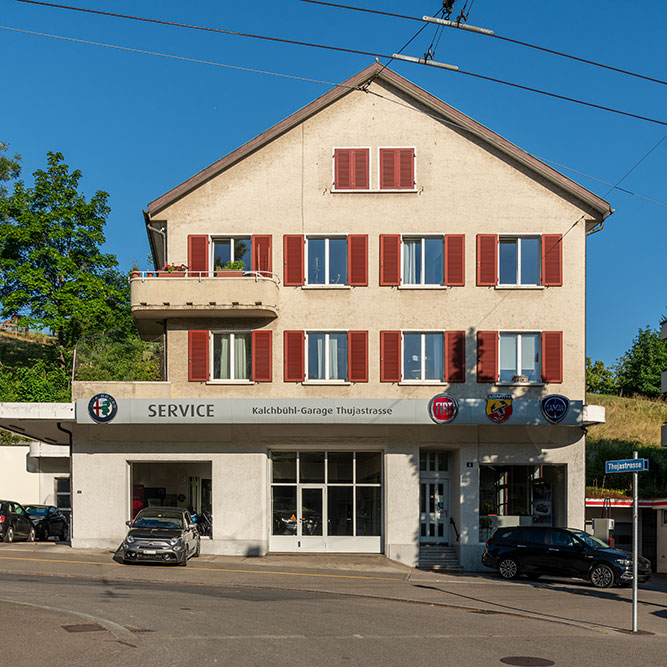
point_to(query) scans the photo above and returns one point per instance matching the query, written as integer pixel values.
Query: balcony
(158, 295)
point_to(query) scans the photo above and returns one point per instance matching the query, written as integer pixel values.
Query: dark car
(15, 522)
(49, 521)
(161, 535)
(538, 550)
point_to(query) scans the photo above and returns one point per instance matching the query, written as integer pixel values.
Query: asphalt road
(60, 607)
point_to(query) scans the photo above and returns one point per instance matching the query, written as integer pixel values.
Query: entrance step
(438, 557)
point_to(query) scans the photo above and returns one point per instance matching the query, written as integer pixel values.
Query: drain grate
(84, 627)
(527, 661)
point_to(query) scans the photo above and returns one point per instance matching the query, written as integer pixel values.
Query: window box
(171, 274)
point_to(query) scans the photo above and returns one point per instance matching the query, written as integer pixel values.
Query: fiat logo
(442, 409)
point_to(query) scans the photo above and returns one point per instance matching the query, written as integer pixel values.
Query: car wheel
(9, 534)
(63, 535)
(31, 535)
(197, 549)
(508, 568)
(184, 562)
(602, 576)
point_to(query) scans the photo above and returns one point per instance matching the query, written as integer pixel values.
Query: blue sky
(137, 125)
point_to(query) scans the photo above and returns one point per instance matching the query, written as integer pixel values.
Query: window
(519, 357)
(350, 503)
(327, 260)
(423, 260)
(327, 356)
(519, 260)
(397, 169)
(230, 250)
(232, 359)
(63, 495)
(351, 167)
(423, 356)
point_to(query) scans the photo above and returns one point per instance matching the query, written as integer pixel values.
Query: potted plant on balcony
(173, 271)
(230, 269)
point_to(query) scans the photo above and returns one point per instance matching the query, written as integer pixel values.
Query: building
(663, 386)
(35, 473)
(374, 321)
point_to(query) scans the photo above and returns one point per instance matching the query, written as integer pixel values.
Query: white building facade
(375, 341)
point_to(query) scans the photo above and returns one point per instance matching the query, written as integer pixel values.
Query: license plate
(150, 552)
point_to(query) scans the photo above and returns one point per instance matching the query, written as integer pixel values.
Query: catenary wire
(310, 80)
(497, 36)
(346, 50)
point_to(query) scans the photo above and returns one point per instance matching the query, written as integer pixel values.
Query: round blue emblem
(102, 408)
(555, 407)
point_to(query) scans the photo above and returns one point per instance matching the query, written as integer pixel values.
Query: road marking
(122, 634)
(212, 569)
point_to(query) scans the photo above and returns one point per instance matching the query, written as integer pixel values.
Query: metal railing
(452, 523)
(215, 273)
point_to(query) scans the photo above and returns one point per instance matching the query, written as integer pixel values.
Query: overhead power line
(345, 50)
(457, 24)
(320, 81)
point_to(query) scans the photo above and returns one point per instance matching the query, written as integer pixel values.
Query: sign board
(626, 465)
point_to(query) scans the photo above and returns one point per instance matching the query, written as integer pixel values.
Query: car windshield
(158, 521)
(590, 540)
(36, 511)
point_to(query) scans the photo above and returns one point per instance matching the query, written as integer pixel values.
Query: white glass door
(433, 497)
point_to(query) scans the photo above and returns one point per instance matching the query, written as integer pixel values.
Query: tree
(53, 274)
(600, 380)
(10, 167)
(638, 371)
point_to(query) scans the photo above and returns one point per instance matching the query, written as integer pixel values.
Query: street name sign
(626, 465)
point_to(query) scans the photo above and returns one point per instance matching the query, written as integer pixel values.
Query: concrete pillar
(401, 479)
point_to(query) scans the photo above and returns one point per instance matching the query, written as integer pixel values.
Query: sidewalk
(552, 600)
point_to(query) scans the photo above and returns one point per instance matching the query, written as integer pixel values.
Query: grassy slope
(629, 419)
(22, 349)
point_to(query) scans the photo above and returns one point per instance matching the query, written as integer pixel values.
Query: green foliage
(652, 484)
(600, 380)
(236, 265)
(53, 274)
(118, 356)
(42, 381)
(10, 167)
(639, 369)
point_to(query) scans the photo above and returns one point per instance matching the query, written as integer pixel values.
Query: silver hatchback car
(161, 535)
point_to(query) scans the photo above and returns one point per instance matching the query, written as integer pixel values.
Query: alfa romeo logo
(442, 409)
(498, 407)
(102, 408)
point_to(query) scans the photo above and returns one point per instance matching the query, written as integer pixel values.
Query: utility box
(603, 529)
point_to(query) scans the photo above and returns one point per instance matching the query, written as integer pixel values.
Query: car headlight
(625, 562)
(173, 541)
(129, 539)
(35, 521)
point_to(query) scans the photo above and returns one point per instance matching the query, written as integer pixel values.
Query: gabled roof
(379, 73)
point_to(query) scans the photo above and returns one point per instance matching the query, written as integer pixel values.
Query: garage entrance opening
(185, 484)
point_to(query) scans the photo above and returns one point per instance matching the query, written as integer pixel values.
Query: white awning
(38, 421)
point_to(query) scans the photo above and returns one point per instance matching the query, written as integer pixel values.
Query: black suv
(538, 550)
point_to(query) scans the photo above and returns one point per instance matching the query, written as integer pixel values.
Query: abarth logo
(442, 408)
(498, 407)
(555, 407)
(102, 408)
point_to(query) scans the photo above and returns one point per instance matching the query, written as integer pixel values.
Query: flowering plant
(175, 267)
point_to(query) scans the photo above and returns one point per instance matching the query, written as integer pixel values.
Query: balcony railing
(158, 295)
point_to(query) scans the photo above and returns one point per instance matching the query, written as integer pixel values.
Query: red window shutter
(197, 356)
(294, 364)
(455, 260)
(455, 356)
(293, 259)
(390, 356)
(397, 168)
(487, 259)
(198, 253)
(552, 260)
(552, 356)
(261, 254)
(357, 259)
(357, 356)
(487, 356)
(390, 259)
(262, 366)
(351, 168)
